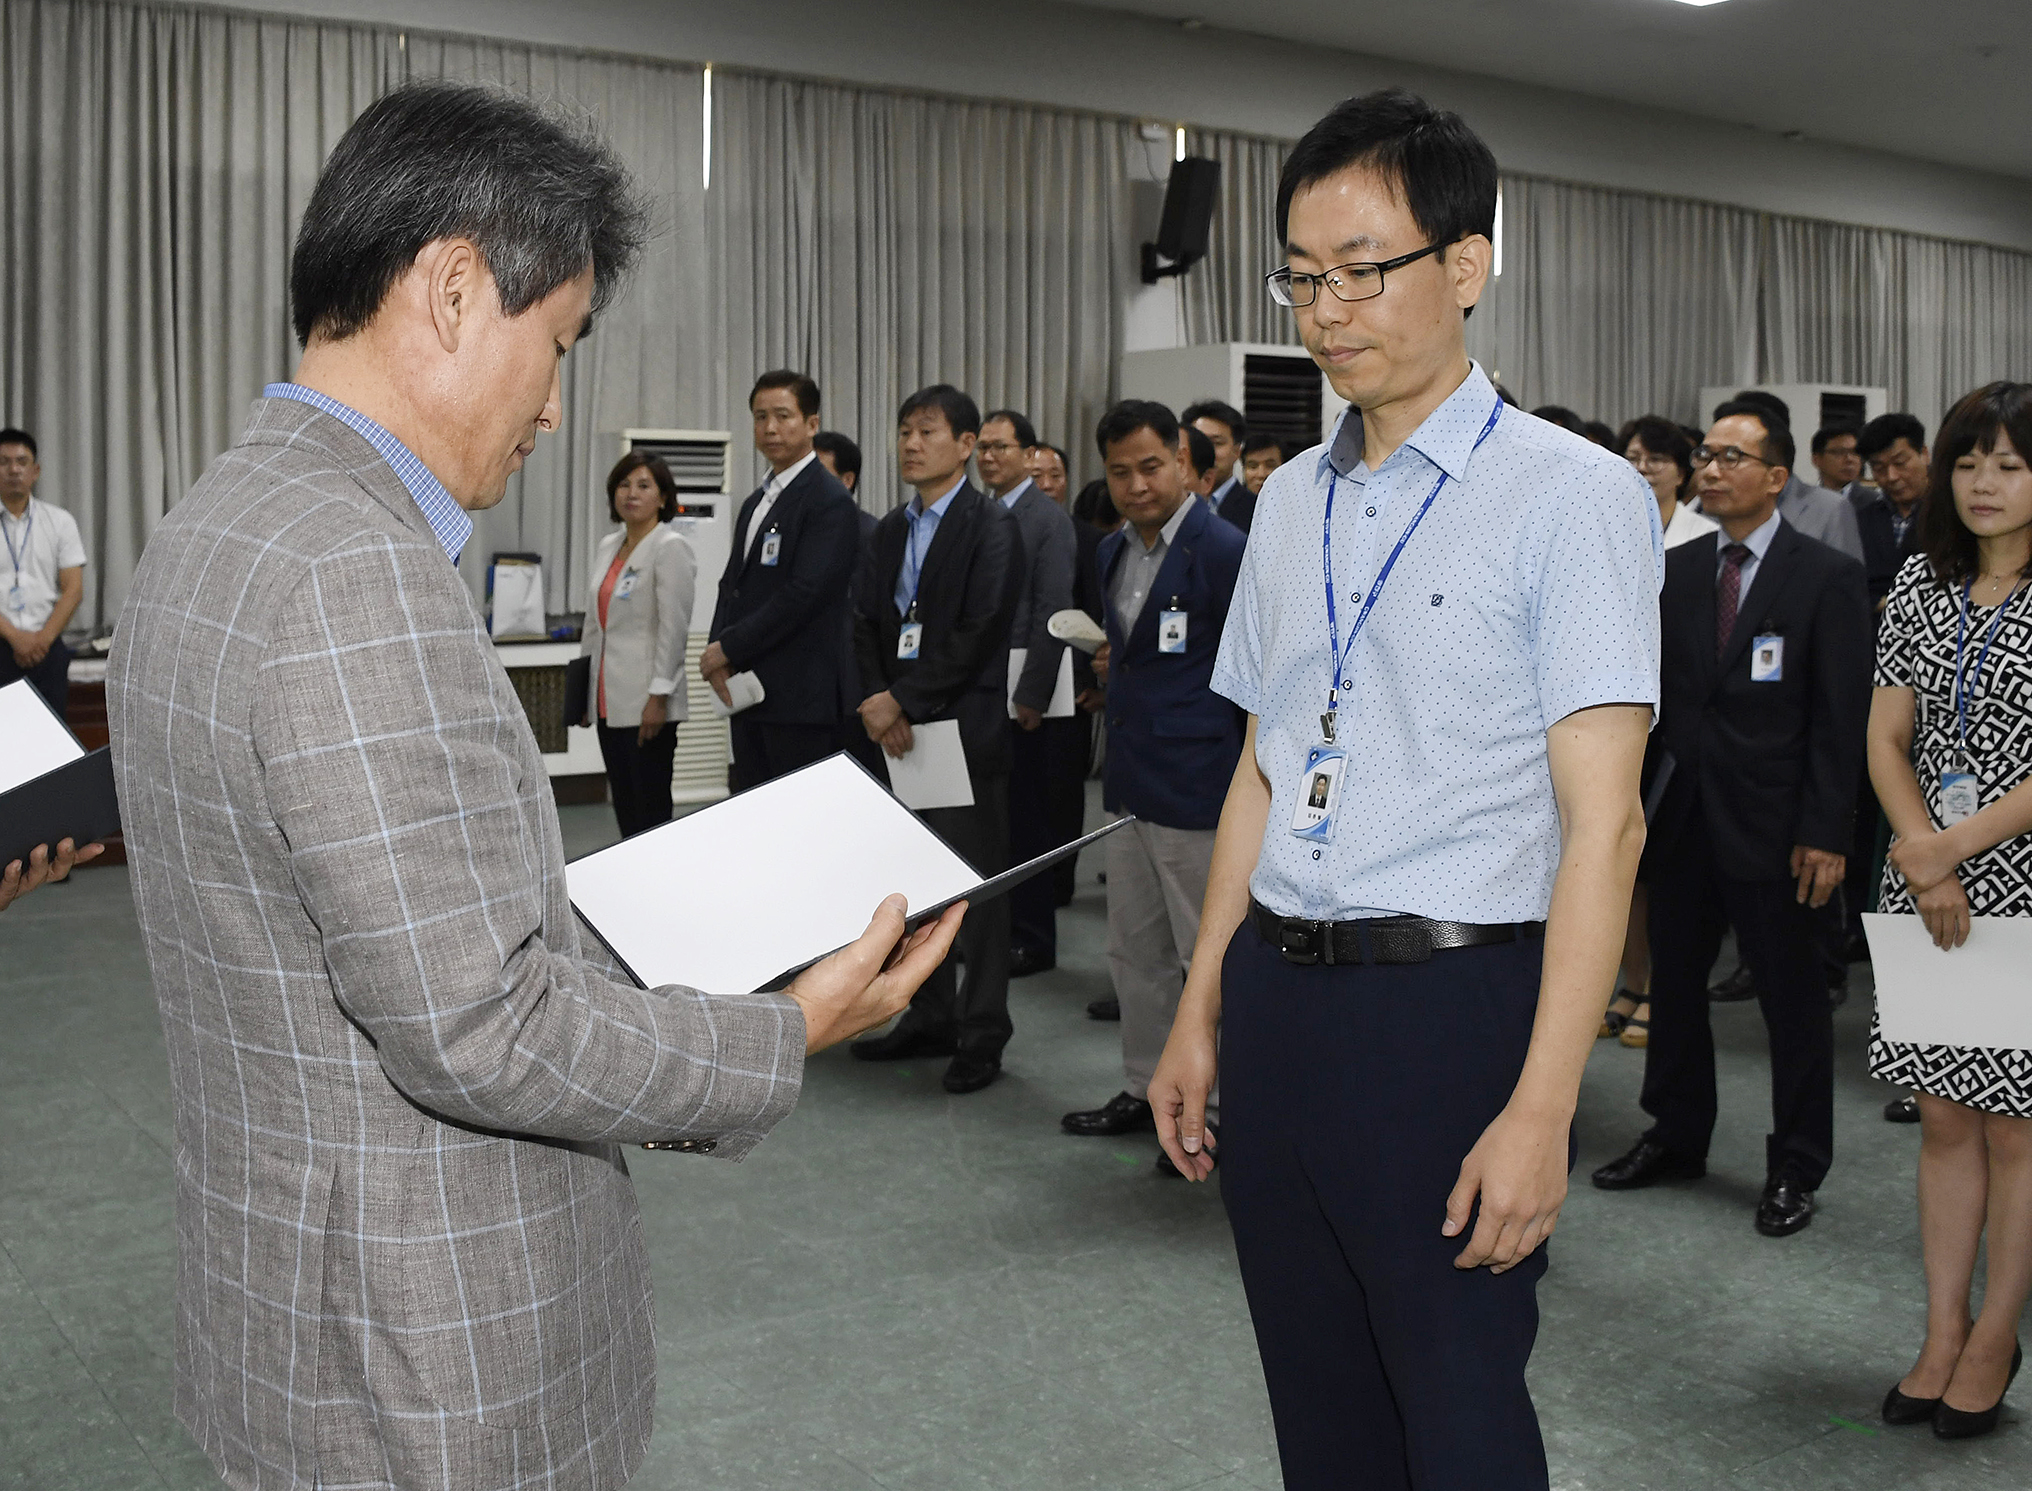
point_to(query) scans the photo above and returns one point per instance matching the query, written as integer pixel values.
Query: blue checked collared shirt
(923, 523)
(1530, 591)
(450, 522)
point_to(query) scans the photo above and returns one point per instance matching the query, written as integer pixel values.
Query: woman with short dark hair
(1950, 751)
(643, 580)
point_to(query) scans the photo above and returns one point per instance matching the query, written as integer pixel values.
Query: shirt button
(1372, 512)
(1315, 854)
(1347, 683)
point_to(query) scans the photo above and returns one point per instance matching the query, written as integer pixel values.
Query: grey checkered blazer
(409, 1252)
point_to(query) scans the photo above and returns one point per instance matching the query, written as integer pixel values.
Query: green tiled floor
(906, 1290)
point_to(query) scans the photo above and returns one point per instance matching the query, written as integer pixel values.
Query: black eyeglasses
(1729, 456)
(1348, 282)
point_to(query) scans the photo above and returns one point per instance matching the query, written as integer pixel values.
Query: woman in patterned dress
(1956, 643)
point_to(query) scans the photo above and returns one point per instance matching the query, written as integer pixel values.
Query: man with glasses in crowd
(1766, 641)
(1445, 640)
(1835, 460)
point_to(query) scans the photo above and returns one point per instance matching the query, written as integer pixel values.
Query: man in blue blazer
(784, 611)
(1168, 575)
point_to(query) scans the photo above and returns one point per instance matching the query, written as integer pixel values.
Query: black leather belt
(1388, 939)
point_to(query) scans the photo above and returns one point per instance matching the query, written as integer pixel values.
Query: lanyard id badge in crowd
(1319, 788)
(1960, 794)
(910, 639)
(17, 599)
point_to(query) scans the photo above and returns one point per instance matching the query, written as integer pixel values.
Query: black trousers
(50, 678)
(1047, 804)
(1349, 1098)
(764, 751)
(973, 1010)
(638, 775)
(1691, 903)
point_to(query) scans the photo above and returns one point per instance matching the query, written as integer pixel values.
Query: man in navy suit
(1168, 575)
(784, 611)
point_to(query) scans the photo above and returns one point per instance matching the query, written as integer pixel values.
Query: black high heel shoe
(1901, 1410)
(1953, 1423)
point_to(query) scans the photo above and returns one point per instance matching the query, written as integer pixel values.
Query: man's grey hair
(540, 195)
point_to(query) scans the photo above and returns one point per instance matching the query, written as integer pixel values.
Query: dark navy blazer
(1172, 741)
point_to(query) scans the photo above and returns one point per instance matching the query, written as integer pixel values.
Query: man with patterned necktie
(1766, 642)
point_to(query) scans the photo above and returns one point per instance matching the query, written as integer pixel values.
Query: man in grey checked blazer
(409, 1252)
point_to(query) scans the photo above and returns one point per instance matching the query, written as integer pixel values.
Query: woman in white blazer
(635, 628)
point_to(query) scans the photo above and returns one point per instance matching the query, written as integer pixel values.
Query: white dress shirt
(773, 488)
(1758, 543)
(42, 541)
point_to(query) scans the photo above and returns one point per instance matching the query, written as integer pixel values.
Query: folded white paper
(33, 741)
(933, 772)
(1979, 994)
(1078, 628)
(1060, 707)
(746, 691)
(728, 898)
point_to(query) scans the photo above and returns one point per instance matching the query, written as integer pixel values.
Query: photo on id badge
(1319, 792)
(1767, 659)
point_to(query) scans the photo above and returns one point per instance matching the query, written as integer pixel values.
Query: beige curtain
(887, 241)
(1223, 297)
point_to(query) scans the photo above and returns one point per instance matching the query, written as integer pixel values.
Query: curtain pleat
(155, 161)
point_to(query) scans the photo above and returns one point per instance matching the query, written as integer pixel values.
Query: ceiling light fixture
(1700, 2)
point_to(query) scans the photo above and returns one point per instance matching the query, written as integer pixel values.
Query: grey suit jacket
(408, 1247)
(1050, 555)
(1819, 513)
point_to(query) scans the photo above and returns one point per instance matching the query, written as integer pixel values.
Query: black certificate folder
(51, 789)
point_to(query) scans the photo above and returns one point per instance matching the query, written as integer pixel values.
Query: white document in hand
(33, 741)
(1979, 994)
(933, 772)
(1060, 707)
(730, 897)
(743, 689)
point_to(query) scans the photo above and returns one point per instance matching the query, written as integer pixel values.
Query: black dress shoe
(1900, 1410)
(903, 1043)
(1121, 1114)
(1647, 1163)
(1104, 1009)
(1955, 1423)
(1733, 989)
(1902, 1110)
(966, 1073)
(1024, 961)
(1786, 1208)
(1170, 1171)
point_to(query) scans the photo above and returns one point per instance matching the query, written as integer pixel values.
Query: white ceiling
(1941, 80)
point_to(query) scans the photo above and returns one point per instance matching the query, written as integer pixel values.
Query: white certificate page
(1979, 994)
(734, 895)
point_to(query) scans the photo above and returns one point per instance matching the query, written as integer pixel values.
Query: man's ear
(452, 273)
(1469, 267)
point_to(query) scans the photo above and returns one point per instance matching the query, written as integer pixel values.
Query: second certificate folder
(733, 897)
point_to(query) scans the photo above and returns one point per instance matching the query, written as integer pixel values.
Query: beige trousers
(1156, 881)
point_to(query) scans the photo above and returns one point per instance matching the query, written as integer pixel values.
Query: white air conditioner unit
(705, 516)
(1812, 405)
(1279, 389)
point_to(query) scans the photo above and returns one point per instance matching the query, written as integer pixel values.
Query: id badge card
(1171, 631)
(1319, 794)
(626, 587)
(1959, 798)
(909, 640)
(772, 548)
(1767, 660)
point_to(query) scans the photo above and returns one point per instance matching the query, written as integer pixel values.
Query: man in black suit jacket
(784, 607)
(1764, 695)
(939, 583)
(1224, 425)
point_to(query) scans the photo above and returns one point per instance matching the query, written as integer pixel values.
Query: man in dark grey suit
(408, 1248)
(1045, 749)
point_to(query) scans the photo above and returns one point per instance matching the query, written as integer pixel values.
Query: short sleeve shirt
(42, 541)
(1528, 592)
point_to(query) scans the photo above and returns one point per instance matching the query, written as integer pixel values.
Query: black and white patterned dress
(1915, 649)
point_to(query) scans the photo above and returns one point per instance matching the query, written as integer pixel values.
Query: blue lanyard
(27, 533)
(1961, 696)
(916, 564)
(1340, 654)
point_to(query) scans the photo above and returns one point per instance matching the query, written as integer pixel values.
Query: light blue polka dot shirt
(1529, 591)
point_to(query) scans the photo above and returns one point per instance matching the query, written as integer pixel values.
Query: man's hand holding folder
(869, 981)
(19, 878)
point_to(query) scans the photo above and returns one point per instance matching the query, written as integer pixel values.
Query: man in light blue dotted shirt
(1446, 639)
